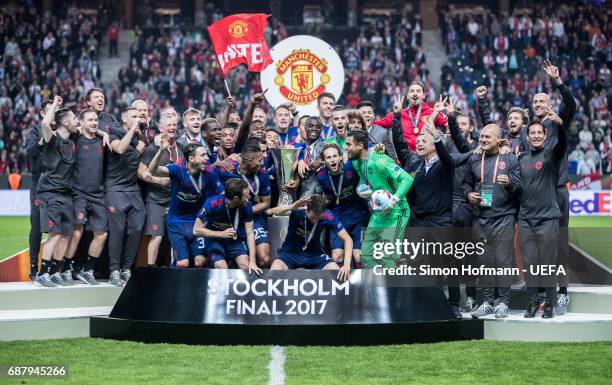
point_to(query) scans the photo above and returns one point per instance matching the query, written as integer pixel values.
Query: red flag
(240, 39)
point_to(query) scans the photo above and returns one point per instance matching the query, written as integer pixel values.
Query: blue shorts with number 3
(183, 242)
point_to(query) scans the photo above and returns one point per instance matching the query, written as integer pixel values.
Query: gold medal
(416, 130)
(235, 236)
(304, 248)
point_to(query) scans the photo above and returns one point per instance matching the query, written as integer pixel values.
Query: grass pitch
(14, 233)
(96, 361)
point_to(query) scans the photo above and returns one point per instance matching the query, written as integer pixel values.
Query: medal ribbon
(494, 169)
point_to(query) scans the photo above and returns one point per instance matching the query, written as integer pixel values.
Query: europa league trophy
(285, 158)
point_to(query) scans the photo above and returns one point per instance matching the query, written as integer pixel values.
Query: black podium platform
(300, 307)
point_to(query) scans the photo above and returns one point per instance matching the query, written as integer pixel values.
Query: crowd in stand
(177, 67)
(41, 57)
(504, 53)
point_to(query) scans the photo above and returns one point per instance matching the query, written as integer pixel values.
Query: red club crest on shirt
(154, 227)
(502, 165)
(80, 215)
(538, 165)
(111, 209)
(36, 202)
(85, 147)
(349, 174)
(100, 148)
(50, 223)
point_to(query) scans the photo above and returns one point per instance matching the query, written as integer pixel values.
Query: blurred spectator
(505, 52)
(41, 57)
(14, 179)
(113, 40)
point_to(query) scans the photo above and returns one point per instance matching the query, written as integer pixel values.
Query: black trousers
(497, 236)
(462, 221)
(538, 240)
(563, 243)
(436, 229)
(126, 217)
(35, 234)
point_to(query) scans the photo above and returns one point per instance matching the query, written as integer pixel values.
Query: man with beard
(302, 247)
(226, 223)
(251, 171)
(339, 123)
(191, 183)
(309, 160)
(414, 116)
(157, 189)
(516, 118)
(33, 150)
(325, 104)
(96, 101)
(376, 133)
(148, 128)
(542, 108)
(192, 121)
(55, 191)
(339, 182)
(123, 198)
(282, 120)
(379, 172)
(492, 184)
(89, 205)
(539, 212)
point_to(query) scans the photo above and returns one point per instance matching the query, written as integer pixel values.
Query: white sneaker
(563, 301)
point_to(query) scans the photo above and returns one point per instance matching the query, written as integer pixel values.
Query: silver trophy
(284, 157)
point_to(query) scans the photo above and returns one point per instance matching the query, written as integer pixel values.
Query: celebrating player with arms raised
(190, 185)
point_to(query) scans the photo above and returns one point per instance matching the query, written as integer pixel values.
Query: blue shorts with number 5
(260, 228)
(183, 242)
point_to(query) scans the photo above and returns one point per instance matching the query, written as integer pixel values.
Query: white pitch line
(276, 368)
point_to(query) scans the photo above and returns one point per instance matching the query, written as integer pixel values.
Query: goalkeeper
(377, 171)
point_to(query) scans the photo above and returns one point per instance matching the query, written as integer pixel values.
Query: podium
(297, 307)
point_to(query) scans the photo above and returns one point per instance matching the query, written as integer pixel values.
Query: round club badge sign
(304, 67)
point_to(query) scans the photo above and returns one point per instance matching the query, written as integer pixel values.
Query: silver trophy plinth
(285, 158)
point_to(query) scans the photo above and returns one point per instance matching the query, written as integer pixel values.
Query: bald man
(491, 185)
(542, 109)
(148, 128)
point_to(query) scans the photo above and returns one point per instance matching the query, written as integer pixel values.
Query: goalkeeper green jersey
(340, 142)
(384, 174)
